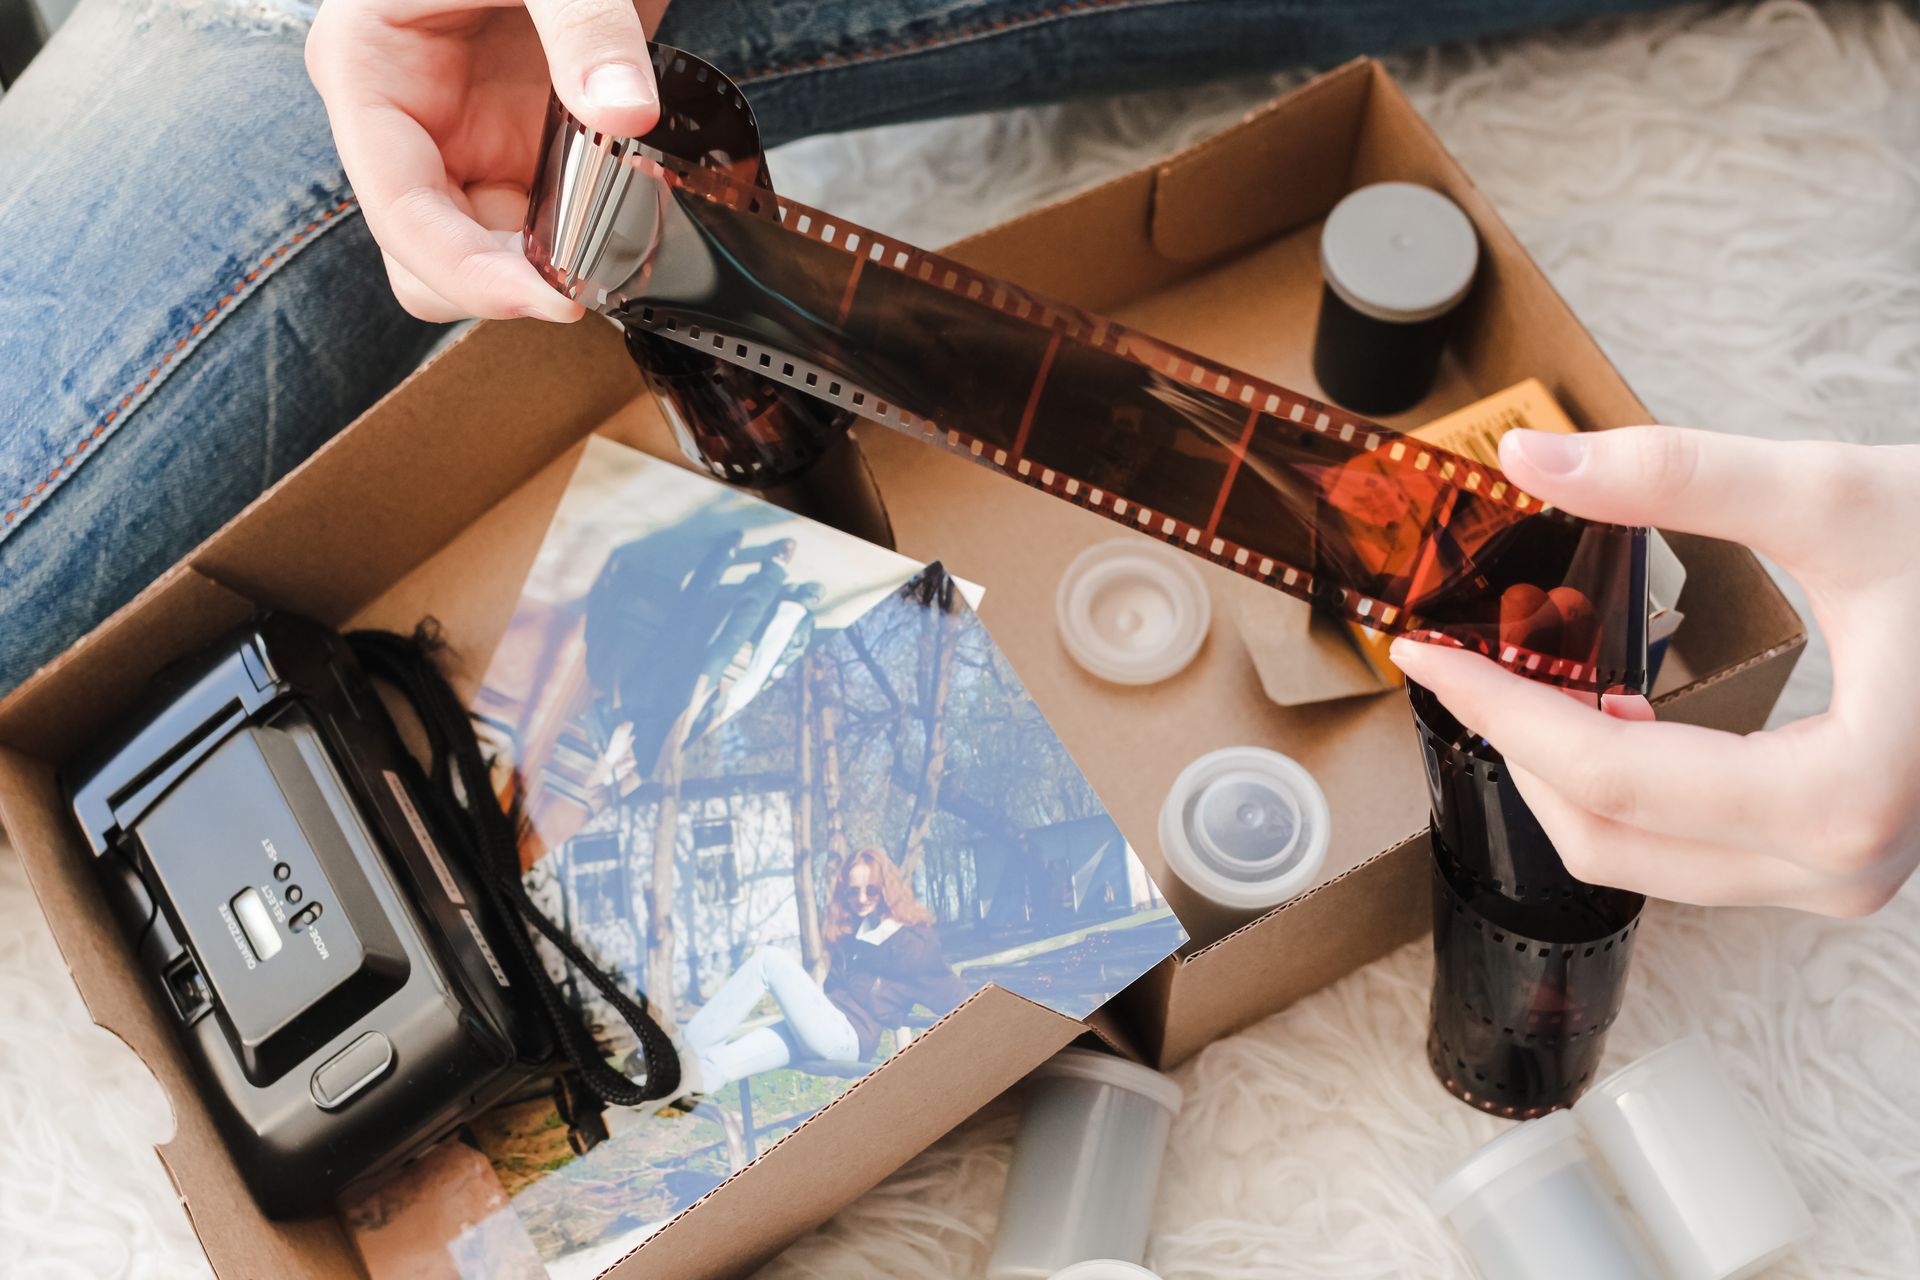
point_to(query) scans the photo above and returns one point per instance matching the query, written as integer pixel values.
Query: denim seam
(960, 35)
(17, 512)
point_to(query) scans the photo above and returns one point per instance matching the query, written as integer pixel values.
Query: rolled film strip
(679, 236)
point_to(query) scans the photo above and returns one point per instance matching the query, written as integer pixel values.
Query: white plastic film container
(1086, 1167)
(1694, 1162)
(1529, 1206)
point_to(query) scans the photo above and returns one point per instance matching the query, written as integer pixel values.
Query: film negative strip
(679, 236)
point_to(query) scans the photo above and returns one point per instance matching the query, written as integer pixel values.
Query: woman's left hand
(1822, 814)
(436, 107)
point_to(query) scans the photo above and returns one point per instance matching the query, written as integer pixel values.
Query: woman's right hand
(437, 108)
(1822, 814)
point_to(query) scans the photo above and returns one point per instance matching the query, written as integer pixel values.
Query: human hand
(437, 108)
(1822, 814)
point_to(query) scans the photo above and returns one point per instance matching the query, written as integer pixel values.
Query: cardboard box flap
(1301, 656)
(1283, 166)
(883, 1121)
(1114, 215)
(73, 698)
(437, 452)
(1748, 614)
(1288, 953)
(236, 1238)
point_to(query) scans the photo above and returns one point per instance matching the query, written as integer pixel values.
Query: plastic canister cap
(1694, 1163)
(1399, 252)
(1246, 827)
(1105, 1269)
(1132, 612)
(1524, 1153)
(1530, 1204)
(1107, 1069)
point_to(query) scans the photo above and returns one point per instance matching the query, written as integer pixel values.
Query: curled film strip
(766, 325)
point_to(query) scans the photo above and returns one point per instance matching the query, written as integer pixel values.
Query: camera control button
(355, 1067)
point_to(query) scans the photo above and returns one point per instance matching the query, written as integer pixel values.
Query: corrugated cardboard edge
(901, 1109)
(1207, 992)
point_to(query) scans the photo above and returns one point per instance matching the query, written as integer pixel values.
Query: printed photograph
(784, 783)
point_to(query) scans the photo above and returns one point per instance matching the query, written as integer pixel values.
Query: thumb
(597, 55)
(1785, 499)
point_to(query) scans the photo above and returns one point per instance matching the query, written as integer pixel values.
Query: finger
(1785, 499)
(397, 172)
(1673, 779)
(419, 301)
(1627, 706)
(498, 206)
(1706, 873)
(598, 58)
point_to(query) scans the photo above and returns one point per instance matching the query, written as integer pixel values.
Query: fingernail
(1551, 453)
(558, 312)
(1626, 705)
(620, 84)
(1401, 649)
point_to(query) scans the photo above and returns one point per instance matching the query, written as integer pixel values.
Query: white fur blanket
(1731, 200)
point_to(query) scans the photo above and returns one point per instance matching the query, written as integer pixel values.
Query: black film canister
(1396, 258)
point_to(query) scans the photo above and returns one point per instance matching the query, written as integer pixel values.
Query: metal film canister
(1529, 1205)
(1086, 1166)
(1695, 1164)
(1397, 258)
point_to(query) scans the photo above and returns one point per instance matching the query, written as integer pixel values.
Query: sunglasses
(860, 892)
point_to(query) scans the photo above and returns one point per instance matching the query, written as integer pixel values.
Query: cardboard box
(435, 501)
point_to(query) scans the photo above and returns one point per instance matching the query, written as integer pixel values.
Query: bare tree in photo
(806, 902)
(939, 640)
(830, 788)
(660, 887)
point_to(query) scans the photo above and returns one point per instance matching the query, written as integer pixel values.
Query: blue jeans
(190, 303)
(811, 1019)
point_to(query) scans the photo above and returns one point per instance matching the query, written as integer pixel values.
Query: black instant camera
(343, 989)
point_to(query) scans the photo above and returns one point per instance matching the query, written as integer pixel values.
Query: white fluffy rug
(1731, 200)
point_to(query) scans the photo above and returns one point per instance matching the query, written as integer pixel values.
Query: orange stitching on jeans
(100, 428)
(935, 41)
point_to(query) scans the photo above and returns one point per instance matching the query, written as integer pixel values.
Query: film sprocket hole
(343, 988)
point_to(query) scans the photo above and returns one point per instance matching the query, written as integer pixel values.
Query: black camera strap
(461, 792)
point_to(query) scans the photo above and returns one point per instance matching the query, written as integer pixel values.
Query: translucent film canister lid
(1695, 1163)
(1132, 612)
(1246, 827)
(1529, 1205)
(1107, 1069)
(1524, 1153)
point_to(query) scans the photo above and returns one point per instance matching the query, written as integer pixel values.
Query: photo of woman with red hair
(884, 959)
